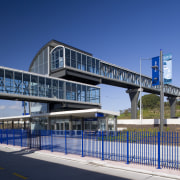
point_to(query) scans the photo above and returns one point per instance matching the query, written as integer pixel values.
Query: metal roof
(74, 113)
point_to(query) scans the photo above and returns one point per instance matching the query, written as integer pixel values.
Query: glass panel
(83, 94)
(93, 66)
(61, 58)
(79, 92)
(74, 92)
(93, 95)
(57, 59)
(97, 95)
(36, 65)
(84, 62)
(9, 82)
(67, 52)
(17, 83)
(78, 60)
(66, 126)
(94, 126)
(53, 63)
(97, 66)
(41, 58)
(55, 89)
(26, 84)
(89, 64)
(87, 125)
(34, 85)
(88, 94)
(45, 65)
(41, 87)
(68, 91)
(48, 88)
(61, 89)
(73, 59)
(1, 80)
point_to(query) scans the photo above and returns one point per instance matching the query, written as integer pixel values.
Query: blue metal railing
(148, 148)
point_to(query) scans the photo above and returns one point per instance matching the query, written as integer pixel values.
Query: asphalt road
(18, 165)
(15, 166)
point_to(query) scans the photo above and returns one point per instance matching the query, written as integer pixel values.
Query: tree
(150, 101)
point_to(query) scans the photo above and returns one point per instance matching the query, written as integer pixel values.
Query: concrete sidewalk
(142, 169)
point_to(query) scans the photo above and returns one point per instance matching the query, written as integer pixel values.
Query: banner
(155, 71)
(167, 68)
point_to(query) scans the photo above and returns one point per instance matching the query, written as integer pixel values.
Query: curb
(106, 164)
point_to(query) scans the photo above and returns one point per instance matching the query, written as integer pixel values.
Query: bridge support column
(133, 94)
(172, 102)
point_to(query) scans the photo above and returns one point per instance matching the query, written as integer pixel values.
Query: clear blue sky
(117, 31)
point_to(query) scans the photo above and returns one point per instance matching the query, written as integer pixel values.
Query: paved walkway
(150, 171)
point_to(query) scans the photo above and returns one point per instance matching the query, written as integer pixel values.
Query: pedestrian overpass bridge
(26, 86)
(72, 64)
(72, 76)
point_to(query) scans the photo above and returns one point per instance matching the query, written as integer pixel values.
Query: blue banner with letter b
(155, 71)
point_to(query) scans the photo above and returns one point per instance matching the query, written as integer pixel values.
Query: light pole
(161, 94)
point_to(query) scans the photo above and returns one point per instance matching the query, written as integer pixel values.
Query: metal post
(7, 135)
(140, 94)
(51, 141)
(21, 137)
(13, 137)
(159, 155)
(82, 143)
(1, 135)
(39, 139)
(102, 146)
(161, 94)
(127, 147)
(65, 143)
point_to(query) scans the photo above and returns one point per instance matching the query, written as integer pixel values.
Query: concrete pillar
(172, 102)
(133, 94)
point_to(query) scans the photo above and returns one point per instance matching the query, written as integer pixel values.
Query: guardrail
(147, 148)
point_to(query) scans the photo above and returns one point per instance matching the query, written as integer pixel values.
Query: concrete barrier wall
(147, 122)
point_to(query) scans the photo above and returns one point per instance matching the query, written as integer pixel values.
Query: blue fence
(148, 148)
